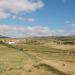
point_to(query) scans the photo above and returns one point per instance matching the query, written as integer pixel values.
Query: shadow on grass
(50, 68)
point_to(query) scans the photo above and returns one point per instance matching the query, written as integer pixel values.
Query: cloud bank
(24, 31)
(18, 6)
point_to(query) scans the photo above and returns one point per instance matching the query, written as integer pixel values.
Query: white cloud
(60, 30)
(73, 25)
(17, 6)
(73, 31)
(73, 28)
(23, 19)
(30, 19)
(20, 31)
(68, 22)
(4, 15)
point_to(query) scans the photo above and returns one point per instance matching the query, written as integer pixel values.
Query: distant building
(11, 43)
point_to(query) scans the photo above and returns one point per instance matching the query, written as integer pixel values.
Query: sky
(22, 18)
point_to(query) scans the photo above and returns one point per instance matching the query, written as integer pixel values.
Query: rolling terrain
(38, 56)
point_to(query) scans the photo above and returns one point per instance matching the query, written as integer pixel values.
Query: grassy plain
(34, 58)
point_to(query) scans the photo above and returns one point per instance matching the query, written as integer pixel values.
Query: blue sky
(19, 18)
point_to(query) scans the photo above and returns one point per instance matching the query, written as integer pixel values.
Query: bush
(1, 42)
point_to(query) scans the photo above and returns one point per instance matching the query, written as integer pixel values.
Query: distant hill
(53, 38)
(1, 36)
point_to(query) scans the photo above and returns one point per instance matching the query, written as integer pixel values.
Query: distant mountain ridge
(1, 36)
(47, 38)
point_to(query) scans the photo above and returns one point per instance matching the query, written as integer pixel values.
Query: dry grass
(37, 60)
(60, 46)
